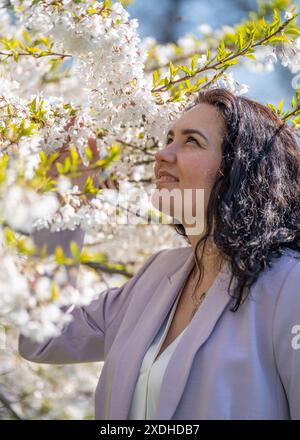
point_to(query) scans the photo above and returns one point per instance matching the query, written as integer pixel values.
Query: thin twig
(60, 55)
(292, 113)
(8, 406)
(103, 268)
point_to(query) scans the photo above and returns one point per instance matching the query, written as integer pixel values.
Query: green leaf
(193, 63)
(75, 160)
(272, 107)
(59, 255)
(3, 167)
(67, 164)
(75, 249)
(296, 121)
(185, 69)
(26, 36)
(172, 70)
(60, 168)
(221, 50)
(88, 153)
(251, 56)
(43, 251)
(230, 63)
(240, 41)
(89, 186)
(278, 39)
(9, 236)
(187, 83)
(292, 31)
(43, 157)
(280, 106)
(276, 17)
(33, 50)
(106, 4)
(155, 76)
(264, 25)
(54, 291)
(32, 105)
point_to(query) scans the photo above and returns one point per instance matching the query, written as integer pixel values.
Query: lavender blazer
(227, 365)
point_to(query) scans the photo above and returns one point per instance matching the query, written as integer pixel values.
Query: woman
(180, 339)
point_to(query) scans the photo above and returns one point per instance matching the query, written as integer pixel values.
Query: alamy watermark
(154, 206)
(295, 342)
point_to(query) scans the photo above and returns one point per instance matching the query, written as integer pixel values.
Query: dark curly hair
(253, 210)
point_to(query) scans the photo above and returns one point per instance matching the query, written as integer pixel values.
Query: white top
(147, 389)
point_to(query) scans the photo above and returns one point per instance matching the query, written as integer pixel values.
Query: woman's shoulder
(291, 268)
(291, 253)
(279, 268)
(286, 261)
(276, 293)
(178, 251)
(283, 277)
(166, 259)
(174, 252)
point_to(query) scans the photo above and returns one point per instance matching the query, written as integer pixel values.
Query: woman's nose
(165, 154)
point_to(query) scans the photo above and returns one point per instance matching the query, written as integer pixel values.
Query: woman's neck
(212, 259)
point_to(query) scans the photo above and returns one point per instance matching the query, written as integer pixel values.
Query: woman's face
(192, 154)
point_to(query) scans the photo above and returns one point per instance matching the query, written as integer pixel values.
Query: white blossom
(205, 29)
(21, 207)
(228, 82)
(288, 15)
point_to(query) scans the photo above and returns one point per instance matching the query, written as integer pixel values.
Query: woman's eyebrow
(189, 131)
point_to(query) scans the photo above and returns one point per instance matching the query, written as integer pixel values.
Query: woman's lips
(167, 179)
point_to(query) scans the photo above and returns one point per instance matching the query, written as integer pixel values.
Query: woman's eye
(189, 138)
(193, 139)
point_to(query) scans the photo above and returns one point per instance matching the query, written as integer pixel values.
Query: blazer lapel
(196, 334)
(135, 346)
